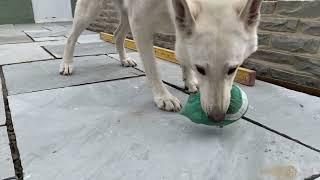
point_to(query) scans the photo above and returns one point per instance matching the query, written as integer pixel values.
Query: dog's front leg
(189, 78)
(162, 97)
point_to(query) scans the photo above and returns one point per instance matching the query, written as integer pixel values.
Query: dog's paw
(65, 69)
(168, 103)
(128, 63)
(191, 86)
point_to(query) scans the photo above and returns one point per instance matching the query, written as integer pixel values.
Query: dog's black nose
(217, 117)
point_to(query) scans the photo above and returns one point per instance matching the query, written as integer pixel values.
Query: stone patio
(101, 123)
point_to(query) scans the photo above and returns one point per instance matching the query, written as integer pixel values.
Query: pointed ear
(185, 21)
(250, 14)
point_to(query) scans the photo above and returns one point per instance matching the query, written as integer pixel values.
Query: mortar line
(10, 178)
(10, 131)
(29, 36)
(42, 60)
(16, 43)
(313, 177)
(27, 62)
(45, 49)
(82, 84)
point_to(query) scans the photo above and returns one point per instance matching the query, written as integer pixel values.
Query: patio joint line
(82, 84)
(28, 36)
(10, 130)
(10, 178)
(313, 177)
(16, 43)
(28, 62)
(258, 124)
(46, 28)
(45, 49)
(54, 59)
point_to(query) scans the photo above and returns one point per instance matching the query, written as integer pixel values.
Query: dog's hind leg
(85, 12)
(162, 97)
(120, 35)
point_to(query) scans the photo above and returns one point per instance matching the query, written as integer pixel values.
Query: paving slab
(54, 31)
(6, 163)
(293, 109)
(293, 113)
(36, 31)
(55, 38)
(86, 49)
(44, 75)
(6, 28)
(15, 39)
(55, 26)
(50, 43)
(113, 130)
(2, 109)
(42, 34)
(86, 32)
(8, 35)
(28, 27)
(16, 53)
(90, 38)
(169, 72)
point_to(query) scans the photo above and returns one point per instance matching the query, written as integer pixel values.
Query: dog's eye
(201, 70)
(232, 70)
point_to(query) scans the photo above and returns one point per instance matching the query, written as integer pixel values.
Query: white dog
(213, 38)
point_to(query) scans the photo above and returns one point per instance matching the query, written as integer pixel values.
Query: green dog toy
(238, 107)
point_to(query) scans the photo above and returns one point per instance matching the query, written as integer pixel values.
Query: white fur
(213, 34)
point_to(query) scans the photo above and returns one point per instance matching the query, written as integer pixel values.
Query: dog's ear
(250, 14)
(184, 16)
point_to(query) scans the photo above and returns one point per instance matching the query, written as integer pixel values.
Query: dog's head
(217, 36)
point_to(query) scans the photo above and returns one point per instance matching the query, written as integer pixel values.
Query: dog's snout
(217, 117)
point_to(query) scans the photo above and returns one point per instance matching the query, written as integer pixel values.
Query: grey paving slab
(44, 75)
(9, 35)
(28, 27)
(6, 163)
(90, 38)
(86, 32)
(113, 131)
(36, 31)
(55, 38)
(57, 26)
(6, 28)
(290, 112)
(14, 39)
(16, 53)
(43, 34)
(55, 31)
(169, 72)
(293, 113)
(84, 49)
(2, 109)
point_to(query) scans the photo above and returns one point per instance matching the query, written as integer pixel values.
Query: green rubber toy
(238, 107)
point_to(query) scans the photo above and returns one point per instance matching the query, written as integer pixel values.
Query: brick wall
(289, 40)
